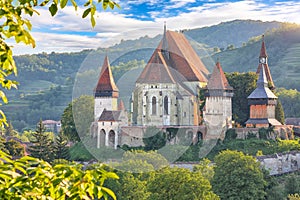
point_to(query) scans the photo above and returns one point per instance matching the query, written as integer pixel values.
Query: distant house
(53, 126)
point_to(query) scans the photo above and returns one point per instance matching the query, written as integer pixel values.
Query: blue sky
(68, 32)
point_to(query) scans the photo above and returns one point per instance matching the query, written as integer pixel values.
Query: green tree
(2, 145)
(238, 176)
(243, 84)
(129, 187)
(10, 131)
(77, 118)
(31, 178)
(15, 148)
(151, 157)
(15, 25)
(61, 149)
(154, 138)
(206, 168)
(41, 146)
(292, 185)
(279, 112)
(179, 183)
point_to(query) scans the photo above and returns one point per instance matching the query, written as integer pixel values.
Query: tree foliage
(2, 145)
(179, 183)
(243, 84)
(238, 176)
(279, 112)
(77, 118)
(154, 138)
(15, 148)
(31, 178)
(42, 145)
(61, 149)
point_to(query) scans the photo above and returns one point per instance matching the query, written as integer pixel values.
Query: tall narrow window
(166, 105)
(153, 105)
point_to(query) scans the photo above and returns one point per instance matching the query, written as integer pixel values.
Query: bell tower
(262, 103)
(106, 92)
(263, 63)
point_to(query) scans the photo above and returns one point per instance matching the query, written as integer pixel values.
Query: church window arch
(166, 105)
(154, 105)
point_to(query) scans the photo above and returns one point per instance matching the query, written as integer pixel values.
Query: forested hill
(234, 32)
(47, 80)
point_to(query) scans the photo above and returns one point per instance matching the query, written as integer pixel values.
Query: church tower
(218, 105)
(106, 92)
(263, 63)
(262, 103)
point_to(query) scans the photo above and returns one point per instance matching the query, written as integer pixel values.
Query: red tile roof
(106, 83)
(181, 59)
(218, 80)
(156, 71)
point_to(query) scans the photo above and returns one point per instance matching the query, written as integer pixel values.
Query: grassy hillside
(47, 80)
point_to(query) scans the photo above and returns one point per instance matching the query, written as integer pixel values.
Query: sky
(68, 32)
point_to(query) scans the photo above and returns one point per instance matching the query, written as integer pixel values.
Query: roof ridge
(149, 75)
(183, 52)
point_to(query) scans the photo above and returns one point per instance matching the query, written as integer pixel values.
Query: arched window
(166, 105)
(153, 105)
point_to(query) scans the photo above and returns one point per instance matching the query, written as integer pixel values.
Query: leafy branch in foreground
(14, 25)
(31, 178)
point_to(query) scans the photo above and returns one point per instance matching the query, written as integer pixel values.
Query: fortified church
(167, 95)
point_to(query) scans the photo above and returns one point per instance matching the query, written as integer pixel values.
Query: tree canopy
(243, 84)
(238, 176)
(77, 118)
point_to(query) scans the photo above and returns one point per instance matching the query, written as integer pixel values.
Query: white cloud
(214, 13)
(179, 3)
(112, 26)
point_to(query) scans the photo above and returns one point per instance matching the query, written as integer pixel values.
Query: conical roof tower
(263, 63)
(106, 86)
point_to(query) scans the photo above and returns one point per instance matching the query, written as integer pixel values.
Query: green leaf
(109, 192)
(44, 3)
(105, 4)
(111, 5)
(63, 3)
(86, 12)
(3, 96)
(53, 9)
(93, 21)
(74, 4)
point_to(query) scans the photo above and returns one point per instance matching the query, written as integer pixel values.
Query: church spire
(264, 64)
(106, 86)
(262, 81)
(165, 49)
(263, 51)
